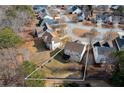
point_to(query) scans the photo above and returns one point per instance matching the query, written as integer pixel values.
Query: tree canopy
(118, 75)
(26, 68)
(25, 8)
(121, 9)
(16, 17)
(8, 38)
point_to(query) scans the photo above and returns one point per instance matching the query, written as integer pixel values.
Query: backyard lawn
(57, 69)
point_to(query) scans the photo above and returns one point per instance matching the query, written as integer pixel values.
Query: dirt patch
(85, 33)
(30, 46)
(107, 25)
(79, 32)
(89, 23)
(109, 36)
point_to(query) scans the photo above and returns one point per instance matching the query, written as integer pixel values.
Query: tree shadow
(101, 75)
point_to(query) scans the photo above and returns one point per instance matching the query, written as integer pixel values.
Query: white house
(51, 42)
(75, 51)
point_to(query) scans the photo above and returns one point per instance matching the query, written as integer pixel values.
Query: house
(39, 8)
(114, 7)
(74, 51)
(51, 41)
(102, 53)
(71, 9)
(47, 22)
(81, 17)
(121, 21)
(77, 11)
(74, 10)
(50, 20)
(48, 17)
(120, 41)
(104, 17)
(103, 7)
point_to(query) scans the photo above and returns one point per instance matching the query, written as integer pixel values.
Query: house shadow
(40, 45)
(60, 58)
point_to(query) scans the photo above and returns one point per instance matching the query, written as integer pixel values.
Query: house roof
(75, 47)
(105, 52)
(48, 17)
(50, 21)
(50, 37)
(102, 7)
(120, 42)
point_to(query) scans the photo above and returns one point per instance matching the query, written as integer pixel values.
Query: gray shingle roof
(120, 43)
(74, 47)
(105, 51)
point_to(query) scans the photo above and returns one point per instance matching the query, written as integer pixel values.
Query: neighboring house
(120, 41)
(74, 10)
(121, 21)
(47, 22)
(77, 11)
(40, 8)
(48, 17)
(74, 51)
(81, 17)
(103, 7)
(51, 42)
(114, 7)
(102, 52)
(103, 17)
(71, 9)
